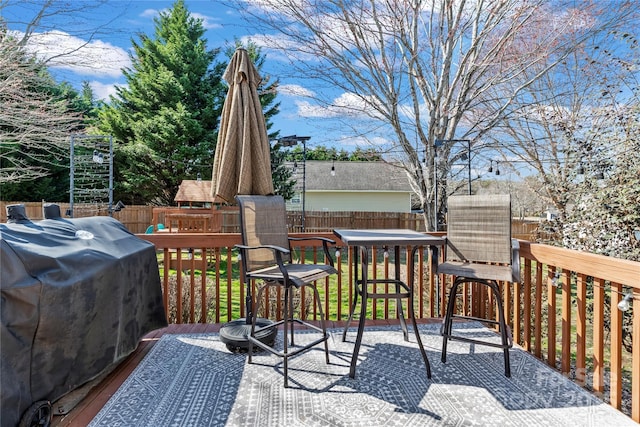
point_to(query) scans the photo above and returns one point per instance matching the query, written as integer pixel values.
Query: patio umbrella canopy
(242, 161)
(242, 165)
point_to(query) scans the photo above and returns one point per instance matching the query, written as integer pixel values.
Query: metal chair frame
(266, 255)
(479, 249)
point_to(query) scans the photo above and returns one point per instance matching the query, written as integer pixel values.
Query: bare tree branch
(425, 69)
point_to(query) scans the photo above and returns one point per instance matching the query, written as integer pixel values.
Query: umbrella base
(234, 334)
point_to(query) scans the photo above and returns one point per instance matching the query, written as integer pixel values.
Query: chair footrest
(281, 322)
(477, 341)
(389, 281)
(385, 295)
(478, 319)
(293, 351)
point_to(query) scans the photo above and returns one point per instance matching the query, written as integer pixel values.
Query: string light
(625, 304)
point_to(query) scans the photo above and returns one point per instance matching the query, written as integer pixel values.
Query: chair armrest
(325, 245)
(276, 249)
(515, 260)
(278, 252)
(324, 239)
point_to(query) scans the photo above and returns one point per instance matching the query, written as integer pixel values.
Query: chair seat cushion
(299, 274)
(472, 270)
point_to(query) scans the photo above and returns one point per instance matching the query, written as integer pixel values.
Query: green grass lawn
(234, 290)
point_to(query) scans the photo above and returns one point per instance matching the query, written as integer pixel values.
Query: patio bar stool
(266, 256)
(479, 249)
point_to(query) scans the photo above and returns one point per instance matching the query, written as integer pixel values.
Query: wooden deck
(86, 410)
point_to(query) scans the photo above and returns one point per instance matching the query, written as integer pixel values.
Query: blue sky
(100, 40)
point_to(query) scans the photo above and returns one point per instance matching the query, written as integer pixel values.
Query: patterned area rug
(193, 380)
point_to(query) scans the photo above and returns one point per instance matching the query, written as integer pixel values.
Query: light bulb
(625, 304)
(337, 253)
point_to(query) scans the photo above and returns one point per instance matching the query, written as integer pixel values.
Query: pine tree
(165, 120)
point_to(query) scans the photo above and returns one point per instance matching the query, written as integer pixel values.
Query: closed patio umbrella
(242, 161)
(242, 165)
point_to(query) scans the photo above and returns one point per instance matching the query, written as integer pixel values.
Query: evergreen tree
(165, 121)
(324, 153)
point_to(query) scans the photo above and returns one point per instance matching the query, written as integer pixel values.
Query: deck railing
(564, 311)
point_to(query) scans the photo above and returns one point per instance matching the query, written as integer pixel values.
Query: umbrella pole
(248, 304)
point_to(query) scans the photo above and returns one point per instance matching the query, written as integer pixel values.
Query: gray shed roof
(355, 176)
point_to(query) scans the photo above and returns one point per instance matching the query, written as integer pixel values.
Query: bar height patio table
(363, 241)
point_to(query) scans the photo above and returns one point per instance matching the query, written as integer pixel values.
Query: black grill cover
(77, 296)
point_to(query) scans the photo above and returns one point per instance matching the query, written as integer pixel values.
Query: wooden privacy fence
(138, 219)
(135, 218)
(564, 311)
(320, 221)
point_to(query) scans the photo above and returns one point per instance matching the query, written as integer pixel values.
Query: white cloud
(351, 102)
(150, 13)
(305, 109)
(279, 48)
(363, 141)
(102, 91)
(346, 105)
(294, 90)
(207, 21)
(64, 51)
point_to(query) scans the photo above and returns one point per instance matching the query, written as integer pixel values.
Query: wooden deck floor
(86, 410)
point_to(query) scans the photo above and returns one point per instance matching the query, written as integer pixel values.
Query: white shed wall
(364, 201)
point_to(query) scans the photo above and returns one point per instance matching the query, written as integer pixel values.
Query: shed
(194, 192)
(196, 211)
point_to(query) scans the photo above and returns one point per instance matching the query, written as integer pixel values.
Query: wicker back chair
(479, 249)
(266, 256)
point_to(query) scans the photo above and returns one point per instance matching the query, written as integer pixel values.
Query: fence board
(138, 218)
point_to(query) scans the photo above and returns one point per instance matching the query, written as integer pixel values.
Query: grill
(77, 296)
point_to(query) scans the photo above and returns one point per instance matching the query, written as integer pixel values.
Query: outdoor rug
(193, 380)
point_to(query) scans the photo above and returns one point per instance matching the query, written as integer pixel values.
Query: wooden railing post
(635, 363)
